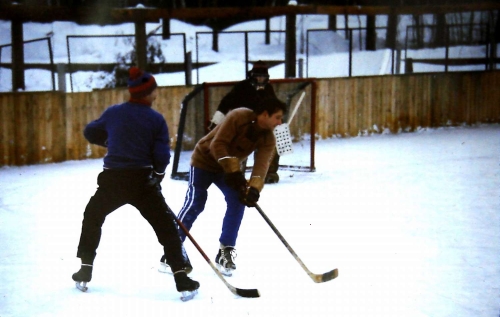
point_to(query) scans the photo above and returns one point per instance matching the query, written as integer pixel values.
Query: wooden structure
(46, 127)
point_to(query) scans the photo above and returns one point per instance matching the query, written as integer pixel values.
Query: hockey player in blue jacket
(137, 140)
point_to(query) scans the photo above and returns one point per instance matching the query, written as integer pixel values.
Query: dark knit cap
(260, 68)
(140, 84)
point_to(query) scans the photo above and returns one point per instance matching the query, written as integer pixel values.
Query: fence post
(409, 66)
(398, 61)
(268, 31)
(301, 67)
(189, 69)
(61, 77)
(350, 52)
(290, 46)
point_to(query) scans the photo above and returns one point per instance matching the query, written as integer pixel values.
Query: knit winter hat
(140, 84)
(259, 68)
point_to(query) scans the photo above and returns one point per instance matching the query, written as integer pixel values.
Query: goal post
(199, 106)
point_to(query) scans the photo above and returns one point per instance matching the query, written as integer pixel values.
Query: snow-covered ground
(410, 220)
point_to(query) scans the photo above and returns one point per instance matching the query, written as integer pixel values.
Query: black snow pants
(134, 187)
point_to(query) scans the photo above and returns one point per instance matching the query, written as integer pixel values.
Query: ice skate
(225, 260)
(272, 178)
(165, 267)
(82, 277)
(186, 286)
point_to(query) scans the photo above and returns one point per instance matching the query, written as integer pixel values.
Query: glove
(156, 178)
(236, 180)
(251, 198)
(233, 176)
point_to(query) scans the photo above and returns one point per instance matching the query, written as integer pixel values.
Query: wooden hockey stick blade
(325, 277)
(248, 293)
(317, 278)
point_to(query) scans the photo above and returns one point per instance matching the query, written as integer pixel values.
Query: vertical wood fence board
(74, 129)
(95, 101)
(491, 97)
(392, 113)
(58, 128)
(21, 128)
(415, 101)
(70, 122)
(461, 102)
(405, 103)
(375, 105)
(325, 109)
(473, 103)
(335, 96)
(7, 123)
(437, 101)
(342, 105)
(427, 104)
(362, 105)
(326, 101)
(4, 131)
(44, 128)
(352, 110)
(33, 114)
(370, 108)
(345, 106)
(339, 104)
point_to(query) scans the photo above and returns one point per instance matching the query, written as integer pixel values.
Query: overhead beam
(106, 15)
(266, 12)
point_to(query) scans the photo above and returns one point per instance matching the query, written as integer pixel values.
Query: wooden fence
(47, 127)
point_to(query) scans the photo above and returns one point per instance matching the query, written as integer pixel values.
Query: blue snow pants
(196, 198)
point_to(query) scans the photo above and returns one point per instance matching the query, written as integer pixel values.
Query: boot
(84, 275)
(272, 176)
(186, 286)
(184, 283)
(165, 267)
(225, 260)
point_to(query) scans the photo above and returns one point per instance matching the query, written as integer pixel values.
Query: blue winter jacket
(136, 137)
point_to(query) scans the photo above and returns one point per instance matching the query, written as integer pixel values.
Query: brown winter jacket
(237, 136)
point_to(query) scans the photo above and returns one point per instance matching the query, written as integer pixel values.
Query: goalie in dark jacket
(248, 93)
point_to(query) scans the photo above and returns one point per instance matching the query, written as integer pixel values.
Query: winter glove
(155, 179)
(233, 176)
(251, 198)
(236, 180)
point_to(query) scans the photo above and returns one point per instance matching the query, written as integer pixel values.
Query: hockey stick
(250, 293)
(317, 278)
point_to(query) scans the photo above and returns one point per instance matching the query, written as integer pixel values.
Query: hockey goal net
(199, 106)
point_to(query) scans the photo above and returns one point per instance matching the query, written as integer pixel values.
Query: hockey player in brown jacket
(216, 160)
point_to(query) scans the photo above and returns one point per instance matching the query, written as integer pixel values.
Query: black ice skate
(272, 178)
(186, 286)
(165, 267)
(225, 260)
(82, 277)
